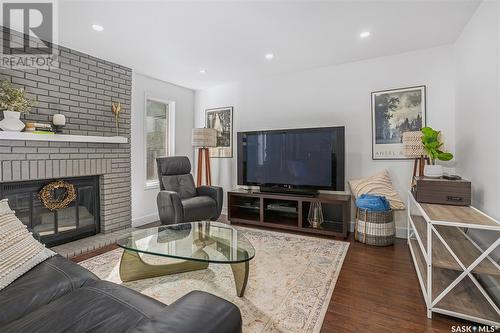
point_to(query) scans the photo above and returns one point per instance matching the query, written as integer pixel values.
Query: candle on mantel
(59, 120)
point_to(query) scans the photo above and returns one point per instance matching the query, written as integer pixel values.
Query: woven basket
(375, 228)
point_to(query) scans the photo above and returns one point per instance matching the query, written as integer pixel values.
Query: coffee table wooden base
(132, 268)
(240, 273)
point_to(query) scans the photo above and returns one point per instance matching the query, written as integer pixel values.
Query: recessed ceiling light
(203, 71)
(97, 27)
(269, 56)
(364, 34)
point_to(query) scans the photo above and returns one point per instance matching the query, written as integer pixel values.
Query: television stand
(291, 191)
(290, 211)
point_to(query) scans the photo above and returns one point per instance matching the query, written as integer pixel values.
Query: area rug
(291, 281)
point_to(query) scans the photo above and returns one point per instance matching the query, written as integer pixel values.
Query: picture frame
(222, 120)
(393, 112)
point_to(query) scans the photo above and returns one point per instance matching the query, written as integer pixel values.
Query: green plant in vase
(13, 102)
(431, 140)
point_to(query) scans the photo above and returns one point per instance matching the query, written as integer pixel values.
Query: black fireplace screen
(80, 219)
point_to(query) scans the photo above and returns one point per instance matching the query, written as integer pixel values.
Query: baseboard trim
(401, 232)
(137, 222)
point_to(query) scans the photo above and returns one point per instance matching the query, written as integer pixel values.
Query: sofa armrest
(214, 192)
(169, 207)
(194, 313)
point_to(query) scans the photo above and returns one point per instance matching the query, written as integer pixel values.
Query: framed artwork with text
(394, 112)
(221, 119)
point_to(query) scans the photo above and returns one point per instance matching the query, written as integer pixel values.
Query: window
(158, 136)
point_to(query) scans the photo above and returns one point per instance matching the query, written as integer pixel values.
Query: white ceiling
(173, 40)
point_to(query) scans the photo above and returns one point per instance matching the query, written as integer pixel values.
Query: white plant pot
(11, 122)
(433, 171)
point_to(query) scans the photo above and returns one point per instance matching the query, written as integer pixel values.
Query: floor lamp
(203, 138)
(414, 148)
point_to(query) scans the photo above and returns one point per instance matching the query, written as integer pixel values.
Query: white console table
(449, 264)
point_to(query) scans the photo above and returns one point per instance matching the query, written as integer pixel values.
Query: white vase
(433, 171)
(11, 122)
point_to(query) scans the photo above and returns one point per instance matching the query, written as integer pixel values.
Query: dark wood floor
(378, 291)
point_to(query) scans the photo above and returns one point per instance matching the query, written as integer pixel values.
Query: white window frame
(154, 184)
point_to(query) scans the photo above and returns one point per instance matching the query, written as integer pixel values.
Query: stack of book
(39, 128)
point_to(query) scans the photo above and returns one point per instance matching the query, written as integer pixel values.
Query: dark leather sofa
(61, 296)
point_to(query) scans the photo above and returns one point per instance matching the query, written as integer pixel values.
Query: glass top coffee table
(195, 244)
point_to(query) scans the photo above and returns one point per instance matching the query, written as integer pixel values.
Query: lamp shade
(412, 144)
(204, 137)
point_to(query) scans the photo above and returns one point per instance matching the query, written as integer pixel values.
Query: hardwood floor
(94, 253)
(378, 291)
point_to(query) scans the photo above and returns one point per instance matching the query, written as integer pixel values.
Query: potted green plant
(432, 145)
(13, 102)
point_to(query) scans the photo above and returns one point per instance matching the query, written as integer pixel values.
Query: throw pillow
(378, 184)
(19, 251)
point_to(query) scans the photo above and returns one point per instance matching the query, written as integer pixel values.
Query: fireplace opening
(81, 218)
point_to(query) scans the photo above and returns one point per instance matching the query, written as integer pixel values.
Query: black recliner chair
(179, 200)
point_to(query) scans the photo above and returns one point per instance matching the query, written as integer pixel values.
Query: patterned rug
(290, 284)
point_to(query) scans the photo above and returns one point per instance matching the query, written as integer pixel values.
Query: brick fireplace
(81, 218)
(82, 89)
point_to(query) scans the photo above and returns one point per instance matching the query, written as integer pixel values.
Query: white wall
(478, 106)
(478, 119)
(144, 208)
(338, 95)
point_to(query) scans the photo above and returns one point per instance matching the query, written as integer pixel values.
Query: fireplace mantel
(61, 137)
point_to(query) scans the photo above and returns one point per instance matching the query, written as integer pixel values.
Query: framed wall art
(221, 119)
(394, 112)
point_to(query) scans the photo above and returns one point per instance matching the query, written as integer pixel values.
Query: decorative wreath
(49, 200)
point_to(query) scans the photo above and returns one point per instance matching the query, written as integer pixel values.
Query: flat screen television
(307, 159)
